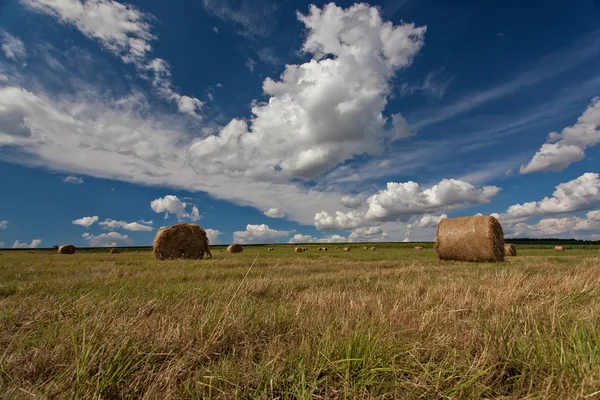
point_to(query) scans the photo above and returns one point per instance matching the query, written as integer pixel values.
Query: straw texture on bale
(299, 249)
(559, 248)
(66, 249)
(181, 241)
(474, 239)
(418, 248)
(115, 251)
(510, 250)
(234, 248)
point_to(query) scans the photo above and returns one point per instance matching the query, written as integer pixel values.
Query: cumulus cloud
(213, 236)
(400, 201)
(274, 213)
(567, 147)
(111, 224)
(35, 243)
(300, 238)
(75, 180)
(259, 234)
(426, 221)
(351, 202)
(12, 46)
(85, 221)
(3, 224)
(109, 239)
(124, 31)
(570, 225)
(172, 205)
(580, 194)
(324, 111)
(368, 234)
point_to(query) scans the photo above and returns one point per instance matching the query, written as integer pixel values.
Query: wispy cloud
(253, 17)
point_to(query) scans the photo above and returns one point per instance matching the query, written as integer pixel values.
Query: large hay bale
(418, 248)
(559, 248)
(67, 249)
(299, 249)
(510, 250)
(470, 239)
(115, 251)
(234, 248)
(181, 241)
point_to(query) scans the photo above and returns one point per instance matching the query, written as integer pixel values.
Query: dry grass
(385, 324)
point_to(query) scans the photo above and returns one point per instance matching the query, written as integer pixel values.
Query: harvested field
(394, 323)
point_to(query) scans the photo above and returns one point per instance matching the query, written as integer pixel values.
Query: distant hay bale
(137, 252)
(299, 249)
(418, 248)
(67, 249)
(559, 248)
(510, 250)
(181, 241)
(234, 248)
(365, 248)
(346, 248)
(324, 248)
(470, 239)
(373, 248)
(115, 251)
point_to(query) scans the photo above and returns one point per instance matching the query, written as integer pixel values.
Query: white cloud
(213, 236)
(215, 29)
(143, 222)
(109, 239)
(334, 239)
(1, 244)
(122, 30)
(580, 194)
(85, 221)
(368, 234)
(251, 64)
(111, 224)
(259, 234)
(427, 221)
(351, 202)
(299, 238)
(400, 201)
(73, 179)
(172, 205)
(324, 111)
(248, 15)
(274, 213)
(3, 224)
(12, 47)
(35, 243)
(568, 146)
(582, 228)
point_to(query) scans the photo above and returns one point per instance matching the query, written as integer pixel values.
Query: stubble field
(390, 323)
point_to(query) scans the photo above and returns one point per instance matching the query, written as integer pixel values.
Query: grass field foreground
(389, 323)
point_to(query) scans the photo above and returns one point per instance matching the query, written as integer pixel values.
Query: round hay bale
(365, 248)
(67, 249)
(473, 239)
(418, 248)
(559, 248)
(299, 249)
(373, 248)
(324, 248)
(510, 250)
(181, 241)
(234, 248)
(137, 252)
(115, 251)
(346, 248)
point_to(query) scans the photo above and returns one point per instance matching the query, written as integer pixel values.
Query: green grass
(391, 323)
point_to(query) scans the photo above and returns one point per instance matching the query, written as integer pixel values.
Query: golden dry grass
(385, 324)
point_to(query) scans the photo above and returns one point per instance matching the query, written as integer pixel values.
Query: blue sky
(296, 121)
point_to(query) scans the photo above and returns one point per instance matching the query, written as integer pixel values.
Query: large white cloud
(401, 201)
(368, 234)
(172, 205)
(122, 30)
(3, 224)
(426, 221)
(112, 224)
(569, 146)
(324, 111)
(572, 226)
(34, 244)
(85, 221)
(109, 239)
(213, 236)
(12, 46)
(259, 234)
